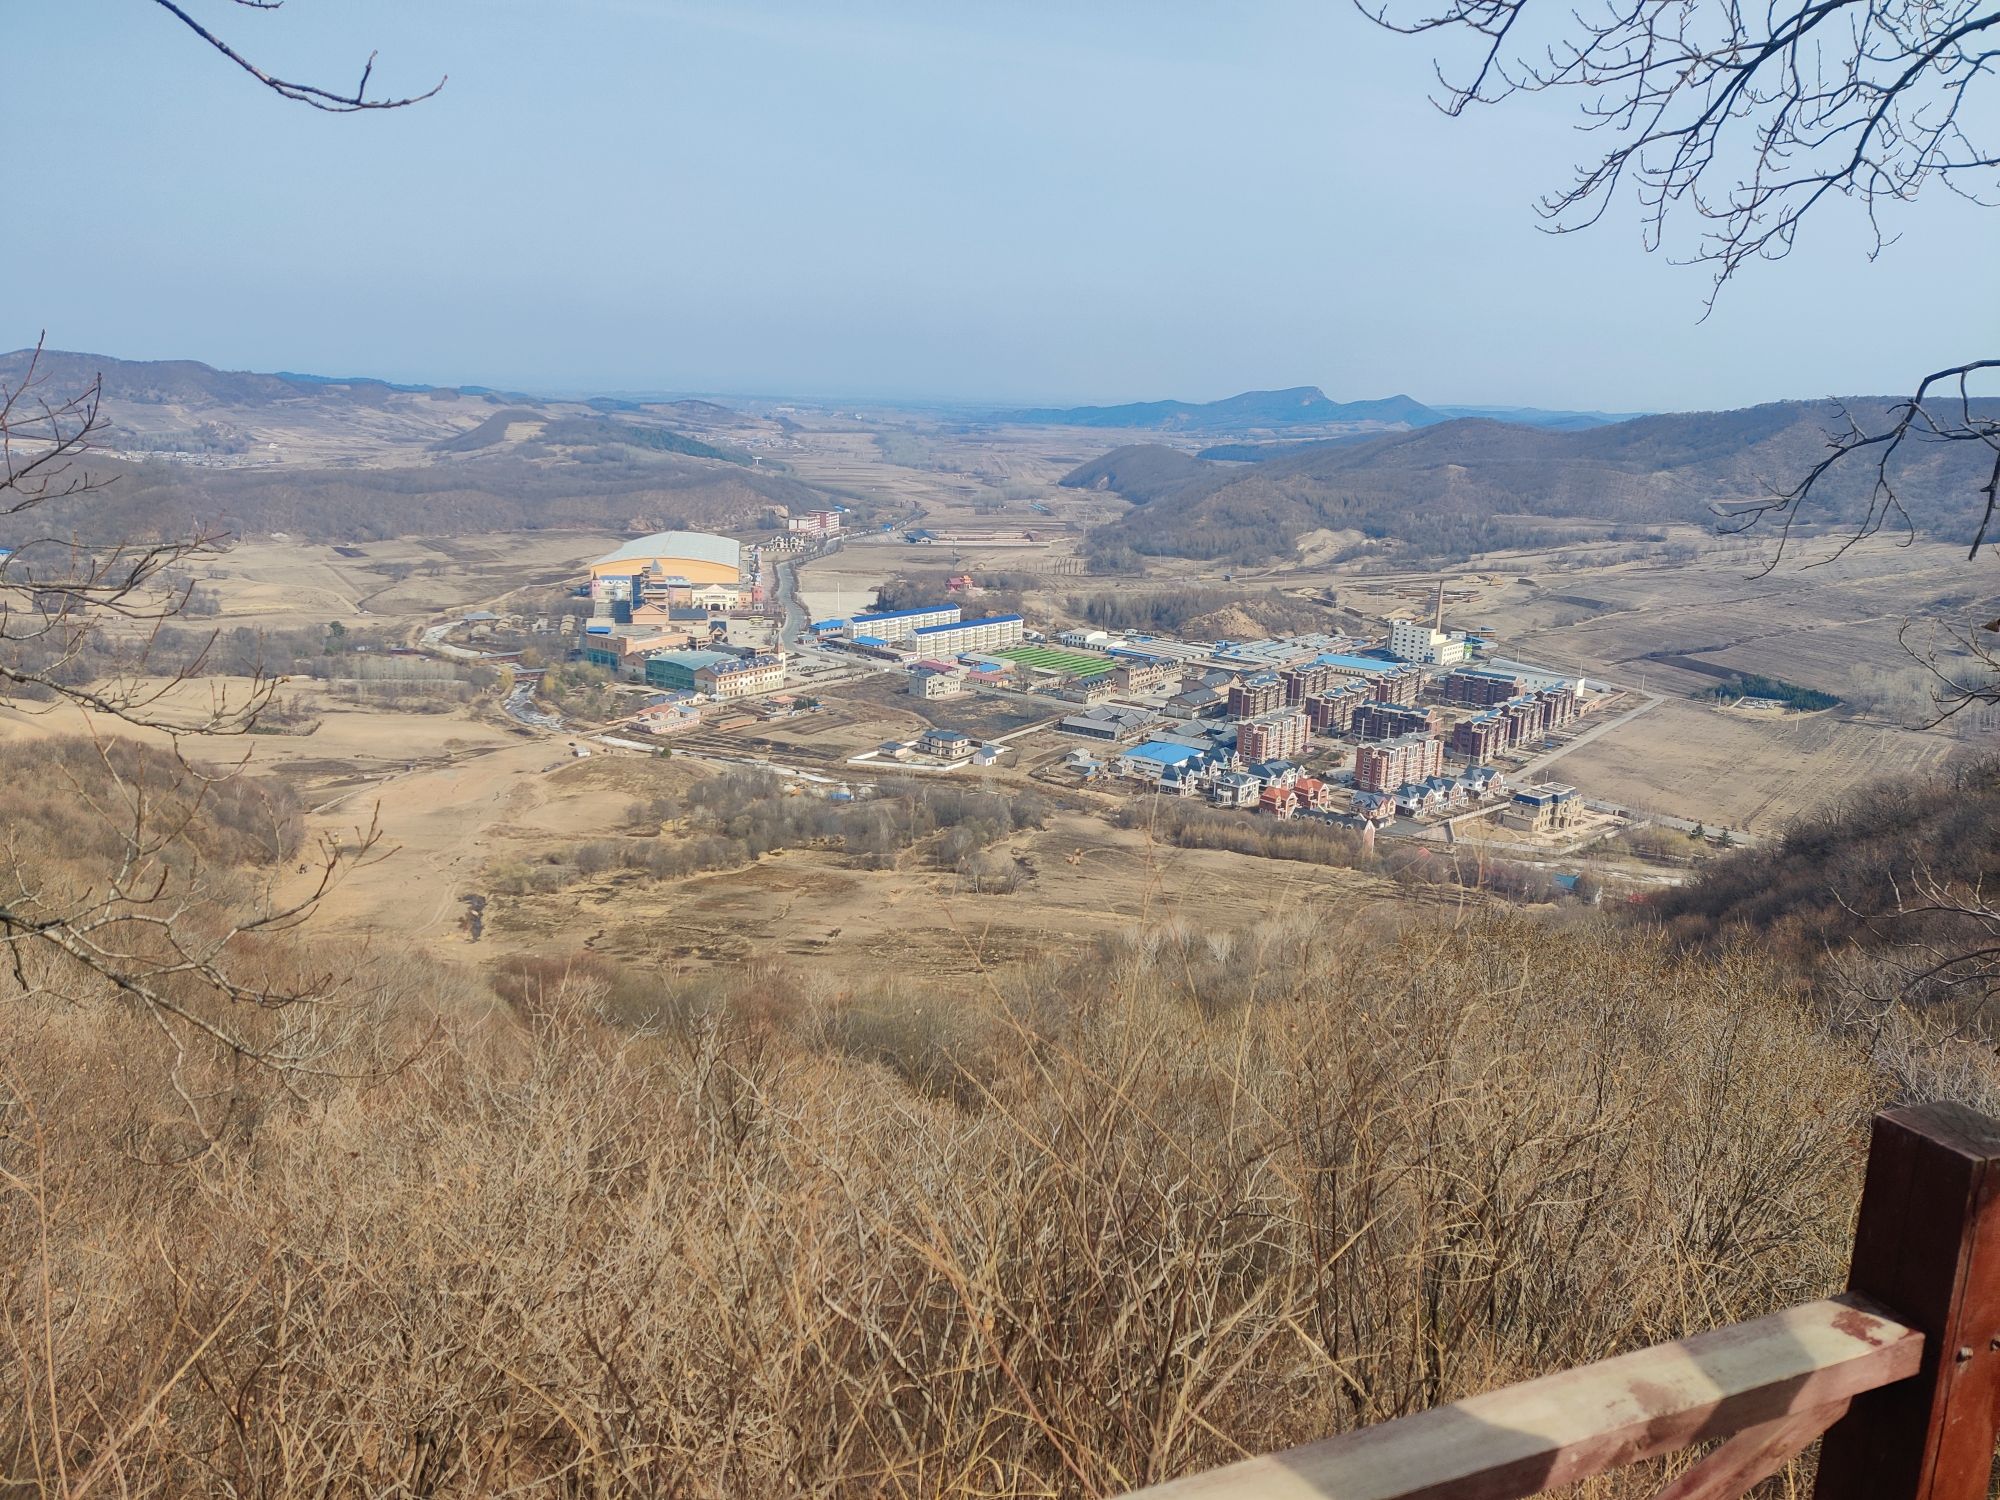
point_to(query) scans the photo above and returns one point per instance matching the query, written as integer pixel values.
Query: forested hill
(1894, 894)
(1450, 488)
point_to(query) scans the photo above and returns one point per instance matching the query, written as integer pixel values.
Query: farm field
(1730, 768)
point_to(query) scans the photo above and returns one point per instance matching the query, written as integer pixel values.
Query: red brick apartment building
(1384, 767)
(1473, 687)
(1332, 712)
(1389, 721)
(1310, 680)
(1274, 736)
(1256, 695)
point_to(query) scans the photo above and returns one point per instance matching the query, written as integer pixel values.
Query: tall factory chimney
(1438, 622)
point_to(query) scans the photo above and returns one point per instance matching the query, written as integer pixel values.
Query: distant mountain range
(1299, 406)
(1471, 484)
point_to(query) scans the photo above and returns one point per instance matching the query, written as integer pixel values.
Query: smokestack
(1438, 622)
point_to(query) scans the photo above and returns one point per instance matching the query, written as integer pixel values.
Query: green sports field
(1051, 659)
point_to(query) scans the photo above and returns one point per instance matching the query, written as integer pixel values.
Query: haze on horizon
(1036, 203)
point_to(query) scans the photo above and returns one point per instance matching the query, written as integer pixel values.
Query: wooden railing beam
(1520, 1440)
(1753, 1455)
(1927, 1243)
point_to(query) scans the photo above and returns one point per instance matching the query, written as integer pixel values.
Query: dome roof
(697, 546)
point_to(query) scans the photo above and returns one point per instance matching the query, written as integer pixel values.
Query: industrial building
(1425, 641)
(1389, 765)
(692, 556)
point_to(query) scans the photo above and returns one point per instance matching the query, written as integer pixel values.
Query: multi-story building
(900, 624)
(1388, 721)
(951, 638)
(1390, 682)
(1529, 717)
(1332, 712)
(814, 523)
(1306, 680)
(740, 676)
(1145, 676)
(945, 744)
(1480, 738)
(1476, 687)
(675, 670)
(1540, 809)
(1274, 736)
(930, 679)
(1420, 641)
(1256, 695)
(1388, 765)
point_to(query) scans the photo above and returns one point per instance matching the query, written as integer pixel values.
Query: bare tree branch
(330, 100)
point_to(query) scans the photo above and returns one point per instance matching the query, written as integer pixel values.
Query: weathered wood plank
(1526, 1438)
(1927, 1243)
(1754, 1454)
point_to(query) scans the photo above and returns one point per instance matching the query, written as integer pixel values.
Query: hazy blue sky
(1082, 199)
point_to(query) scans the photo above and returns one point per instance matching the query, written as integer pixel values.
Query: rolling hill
(1299, 407)
(1464, 485)
(354, 459)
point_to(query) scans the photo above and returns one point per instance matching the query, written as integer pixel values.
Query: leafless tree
(80, 635)
(1739, 123)
(81, 619)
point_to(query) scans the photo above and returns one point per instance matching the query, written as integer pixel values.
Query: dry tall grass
(1118, 1219)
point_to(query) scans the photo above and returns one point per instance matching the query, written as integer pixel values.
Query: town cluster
(1422, 723)
(1415, 722)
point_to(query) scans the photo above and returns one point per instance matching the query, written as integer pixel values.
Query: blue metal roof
(1361, 663)
(963, 624)
(901, 614)
(1164, 753)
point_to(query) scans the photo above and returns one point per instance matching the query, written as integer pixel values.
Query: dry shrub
(1130, 1222)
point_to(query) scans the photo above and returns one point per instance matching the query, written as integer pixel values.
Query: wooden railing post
(1927, 1249)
